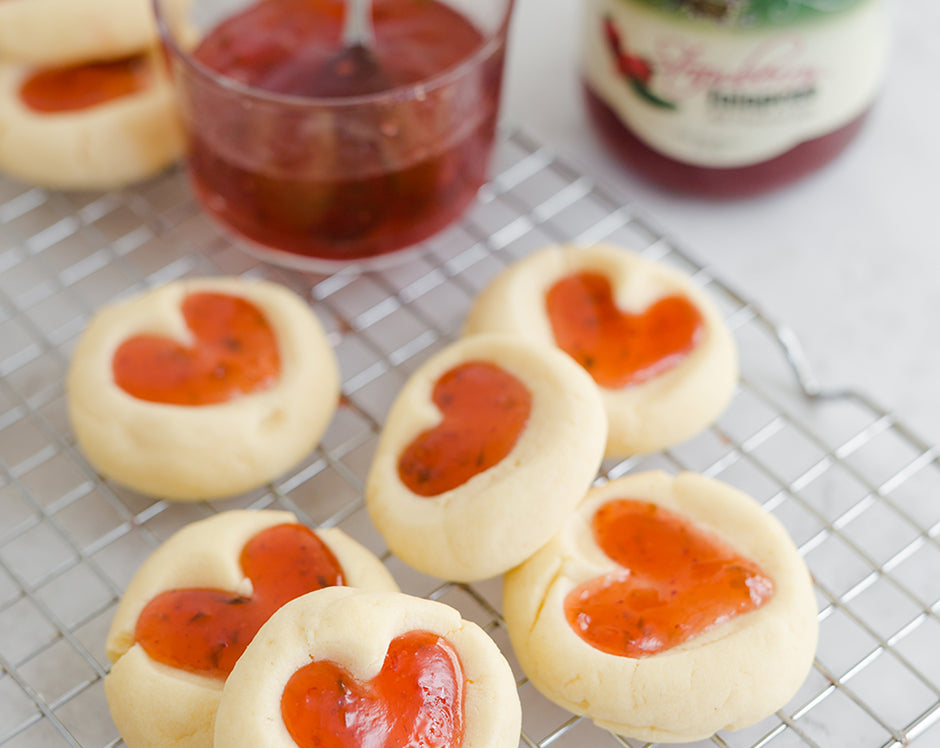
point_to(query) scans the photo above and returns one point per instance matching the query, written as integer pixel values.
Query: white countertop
(849, 257)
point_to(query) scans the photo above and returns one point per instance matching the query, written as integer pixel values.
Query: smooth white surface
(849, 257)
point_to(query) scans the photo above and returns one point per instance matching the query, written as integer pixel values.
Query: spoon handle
(357, 26)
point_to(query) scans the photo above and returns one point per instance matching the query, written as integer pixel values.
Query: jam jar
(728, 98)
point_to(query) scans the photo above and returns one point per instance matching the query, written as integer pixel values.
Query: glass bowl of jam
(319, 154)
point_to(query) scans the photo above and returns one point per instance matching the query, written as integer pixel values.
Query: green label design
(753, 13)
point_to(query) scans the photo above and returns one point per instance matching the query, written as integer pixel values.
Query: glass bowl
(319, 168)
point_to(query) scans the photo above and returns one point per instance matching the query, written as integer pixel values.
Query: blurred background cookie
(61, 32)
(88, 126)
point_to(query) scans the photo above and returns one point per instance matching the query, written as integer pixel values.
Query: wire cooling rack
(857, 491)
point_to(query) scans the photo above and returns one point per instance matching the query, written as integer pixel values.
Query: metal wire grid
(855, 488)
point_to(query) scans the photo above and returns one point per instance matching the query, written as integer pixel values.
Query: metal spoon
(354, 70)
(357, 26)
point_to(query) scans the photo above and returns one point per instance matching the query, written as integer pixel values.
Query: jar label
(726, 83)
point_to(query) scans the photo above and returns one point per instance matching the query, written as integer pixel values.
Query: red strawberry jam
(679, 581)
(235, 353)
(619, 349)
(69, 89)
(415, 700)
(484, 410)
(205, 631)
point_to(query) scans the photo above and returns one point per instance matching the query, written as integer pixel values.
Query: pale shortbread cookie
(196, 452)
(99, 147)
(353, 629)
(727, 678)
(155, 705)
(57, 32)
(502, 515)
(643, 417)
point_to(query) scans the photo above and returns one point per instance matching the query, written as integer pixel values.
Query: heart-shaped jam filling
(678, 581)
(619, 349)
(69, 89)
(235, 353)
(205, 631)
(484, 409)
(415, 700)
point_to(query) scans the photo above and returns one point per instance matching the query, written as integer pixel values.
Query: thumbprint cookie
(666, 608)
(202, 388)
(487, 448)
(195, 604)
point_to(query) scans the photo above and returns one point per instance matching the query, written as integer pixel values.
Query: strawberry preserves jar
(731, 97)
